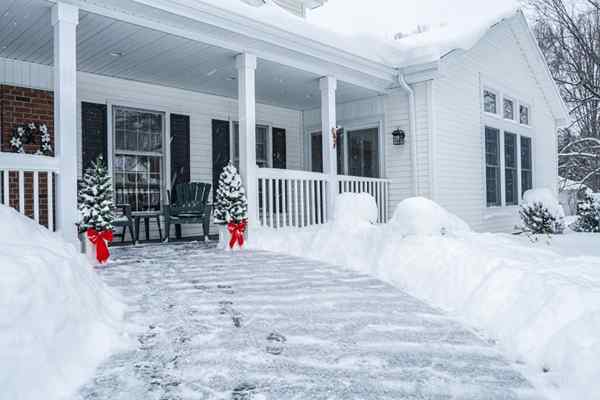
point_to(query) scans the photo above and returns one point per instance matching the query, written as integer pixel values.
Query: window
(524, 114)
(509, 109)
(510, 169)
(363, 153)
(490, 102)
(492, 164)
(138, 157)
(262, 134)
(362, 147)
(526, 165)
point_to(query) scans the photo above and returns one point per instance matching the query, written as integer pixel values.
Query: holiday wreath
(27, 134)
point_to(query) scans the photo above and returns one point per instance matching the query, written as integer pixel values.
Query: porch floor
(255, 325)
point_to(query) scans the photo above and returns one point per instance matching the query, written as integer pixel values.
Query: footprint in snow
(275, 343)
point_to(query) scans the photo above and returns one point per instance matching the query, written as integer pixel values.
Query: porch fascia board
(242, 34)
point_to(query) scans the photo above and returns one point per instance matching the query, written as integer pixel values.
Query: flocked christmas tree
(95, 198)
(537, 219)
(588, 214)
(230, 205)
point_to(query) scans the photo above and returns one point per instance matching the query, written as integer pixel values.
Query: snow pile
(57, 319)
(540, 303)
(420, 216)
(547, 198)
(354, 209)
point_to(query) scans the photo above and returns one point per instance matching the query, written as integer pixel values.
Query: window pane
(524, 114)
(489, 102)
(526, 165)
(510, 168)
(340, 152)
(363, 153)
(509, 109)
(492, 160)
(316, 150)
(261, 145)
(138, 178)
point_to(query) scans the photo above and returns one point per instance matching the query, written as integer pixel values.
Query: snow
(421, 216)
(58, 321)
(410, 50)
(539, 301)
(547, 198)
(355, 209)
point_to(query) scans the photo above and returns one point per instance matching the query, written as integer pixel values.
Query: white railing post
(328, 85)
(246, 67)
(65, 18)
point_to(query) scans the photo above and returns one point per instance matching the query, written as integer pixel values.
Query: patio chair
(124, 220)
(188, 204)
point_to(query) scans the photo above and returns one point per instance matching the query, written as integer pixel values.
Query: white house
(170, 91)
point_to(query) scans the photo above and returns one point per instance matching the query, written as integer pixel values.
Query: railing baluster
(50, 187)
(302, 214)
(325, 211)
(263, 190)
(288, 204)
(319, 201)
(296, 201)
(276, 201)
(6, 189)
(36, 197)
(22, 191)
(313, 202)
(270, 197)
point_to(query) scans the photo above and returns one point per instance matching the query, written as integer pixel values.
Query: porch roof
(117, 44)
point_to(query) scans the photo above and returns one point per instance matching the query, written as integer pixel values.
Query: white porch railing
(22, 176)
(293, 198)
(378, 188)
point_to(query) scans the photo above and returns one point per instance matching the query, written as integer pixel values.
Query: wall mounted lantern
(399, 137)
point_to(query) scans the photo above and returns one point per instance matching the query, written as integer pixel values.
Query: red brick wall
(21, 106)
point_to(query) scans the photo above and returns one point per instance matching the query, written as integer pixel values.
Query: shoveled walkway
(255, 325)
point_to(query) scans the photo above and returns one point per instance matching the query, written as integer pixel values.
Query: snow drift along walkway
(58, 321)
(543, 307)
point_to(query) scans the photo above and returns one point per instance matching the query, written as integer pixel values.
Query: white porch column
(246, 66)
(65, 18)
(328, 85)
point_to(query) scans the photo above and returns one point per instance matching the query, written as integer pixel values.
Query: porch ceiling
(120, 49)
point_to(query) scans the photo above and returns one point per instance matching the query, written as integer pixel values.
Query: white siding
(201, 108)
(498, 59)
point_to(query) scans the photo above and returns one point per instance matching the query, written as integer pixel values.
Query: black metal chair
(188, 204)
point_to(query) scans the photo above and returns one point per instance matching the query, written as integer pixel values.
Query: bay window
(138, 158)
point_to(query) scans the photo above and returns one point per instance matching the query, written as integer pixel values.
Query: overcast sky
(388, 17)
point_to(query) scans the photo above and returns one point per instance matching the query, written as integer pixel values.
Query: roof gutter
(412, 112)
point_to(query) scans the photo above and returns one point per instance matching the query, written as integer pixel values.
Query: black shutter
(279, 148)
(93, 133)
(180, 149)
(220, 150)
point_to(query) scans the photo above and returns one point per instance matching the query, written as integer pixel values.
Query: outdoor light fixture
(399, 136)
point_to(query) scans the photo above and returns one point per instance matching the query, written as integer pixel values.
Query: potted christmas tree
(231, 208)
(96, 211)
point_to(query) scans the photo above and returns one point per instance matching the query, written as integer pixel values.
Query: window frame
(498, 101)
(531, 163)
(516, 154)
(269, 142)
(163, 155)
(515, 104)
(497, 166)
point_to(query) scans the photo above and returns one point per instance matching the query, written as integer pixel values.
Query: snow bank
(540, 303)
(355, 209)
(421, 216)
(58, 321)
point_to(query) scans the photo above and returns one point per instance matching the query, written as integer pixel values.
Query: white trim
(432, 123)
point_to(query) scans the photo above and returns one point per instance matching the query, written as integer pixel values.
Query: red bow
(100, 239)
(237, 233)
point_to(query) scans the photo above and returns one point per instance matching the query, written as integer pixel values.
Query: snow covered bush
(231, 205)
(354, 209)
(58, 320)
(95, 198)
(421, 216)
(541, 213)
(588, 213)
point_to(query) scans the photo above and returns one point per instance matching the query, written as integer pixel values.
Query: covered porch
(171, 96)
